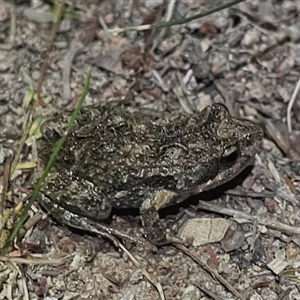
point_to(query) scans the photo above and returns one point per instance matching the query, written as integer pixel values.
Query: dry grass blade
(291, 104)
(15, 269)
(35, 261)
(39, 86)
(4, 192)
(13, 23)
(176, 22)
(29, 224)
(290, 274)
(156, 284)
(170, 11)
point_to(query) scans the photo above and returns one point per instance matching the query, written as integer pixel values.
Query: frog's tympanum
(116, 157)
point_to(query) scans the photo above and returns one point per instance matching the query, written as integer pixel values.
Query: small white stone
(204, 231)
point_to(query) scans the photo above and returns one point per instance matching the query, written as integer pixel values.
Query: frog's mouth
(229, 157)
(232, 163)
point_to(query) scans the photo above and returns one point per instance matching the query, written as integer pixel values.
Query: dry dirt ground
(246, 56)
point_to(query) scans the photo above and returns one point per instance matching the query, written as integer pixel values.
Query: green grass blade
(53, 156)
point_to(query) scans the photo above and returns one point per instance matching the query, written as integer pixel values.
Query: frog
(117, 157)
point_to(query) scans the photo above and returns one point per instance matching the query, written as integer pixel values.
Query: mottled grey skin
(115, 157)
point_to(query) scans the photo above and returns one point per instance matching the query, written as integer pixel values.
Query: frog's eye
(248, 141)
(229, 157)
(219, 112)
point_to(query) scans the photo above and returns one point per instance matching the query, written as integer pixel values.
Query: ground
(246, 56)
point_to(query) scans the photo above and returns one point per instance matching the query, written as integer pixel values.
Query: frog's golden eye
(229, 157)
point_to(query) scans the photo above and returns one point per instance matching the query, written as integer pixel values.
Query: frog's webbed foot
(153, 227)
(111, 234)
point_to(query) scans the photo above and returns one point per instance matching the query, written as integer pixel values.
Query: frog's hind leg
(153, 227)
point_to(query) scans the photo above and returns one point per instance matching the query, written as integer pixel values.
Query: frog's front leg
(153, 227)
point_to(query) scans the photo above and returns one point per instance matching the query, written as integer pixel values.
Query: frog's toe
(164, 238)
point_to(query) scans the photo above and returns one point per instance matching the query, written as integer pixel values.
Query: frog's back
(129, 154)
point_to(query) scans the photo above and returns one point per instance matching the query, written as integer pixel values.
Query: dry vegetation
(246, 56)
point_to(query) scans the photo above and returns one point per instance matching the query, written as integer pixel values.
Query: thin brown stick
(211, 271)
(266, 221)
(151, 278)
(13, 23)
(176, 22)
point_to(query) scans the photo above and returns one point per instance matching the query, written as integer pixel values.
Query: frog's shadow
(193, 200)
(172, 212)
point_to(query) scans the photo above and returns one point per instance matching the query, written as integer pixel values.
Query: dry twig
(152, 279)
(291, 104)
(74, 48)
(176, 22)
(211, 271)
(266, 221)
(169, 15)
